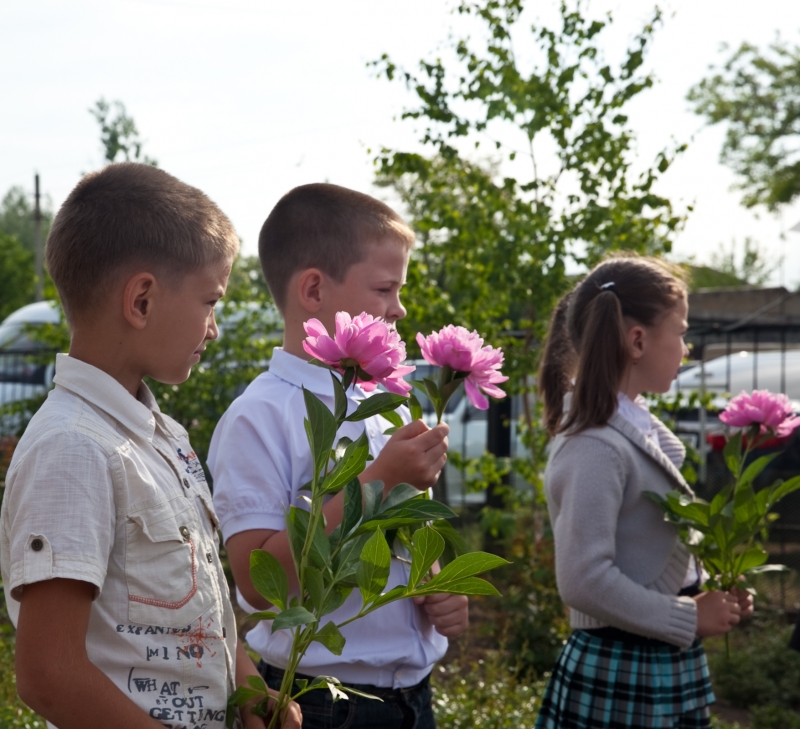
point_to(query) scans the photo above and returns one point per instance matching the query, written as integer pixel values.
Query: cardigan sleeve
(585, 484)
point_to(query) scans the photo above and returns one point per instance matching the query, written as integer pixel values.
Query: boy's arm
(54, 674)
(414, 454)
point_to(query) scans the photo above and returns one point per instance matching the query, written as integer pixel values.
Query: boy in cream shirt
(109, 542)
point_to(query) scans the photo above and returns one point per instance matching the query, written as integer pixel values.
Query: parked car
(24, 371)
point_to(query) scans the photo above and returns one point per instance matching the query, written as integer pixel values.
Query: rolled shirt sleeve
(73, 535)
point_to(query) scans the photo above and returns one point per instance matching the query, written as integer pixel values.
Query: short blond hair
(323, 226)
(130, 214)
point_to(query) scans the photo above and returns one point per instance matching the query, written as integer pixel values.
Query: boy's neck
(108, 356)
(294, 334)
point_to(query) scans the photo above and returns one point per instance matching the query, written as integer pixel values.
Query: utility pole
(37, 242)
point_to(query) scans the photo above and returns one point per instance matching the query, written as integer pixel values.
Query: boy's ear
(310, 287)
(137, 299)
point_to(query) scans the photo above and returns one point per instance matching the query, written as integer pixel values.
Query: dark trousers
(400, 709)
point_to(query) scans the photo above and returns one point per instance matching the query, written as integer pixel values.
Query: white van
(25, 371)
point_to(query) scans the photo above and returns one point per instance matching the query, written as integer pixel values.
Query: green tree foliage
(118, 133)
(16, 216)
(757, 95)
(17, 275)
(493, 247)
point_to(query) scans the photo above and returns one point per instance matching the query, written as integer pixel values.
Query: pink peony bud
(363, 343)
(463, 351)
(770, 411)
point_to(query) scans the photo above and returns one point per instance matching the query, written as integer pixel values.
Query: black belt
(623, 636)
(382, 692)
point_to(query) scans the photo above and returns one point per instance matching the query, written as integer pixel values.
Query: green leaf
(269, 578)
(462, 586)
(293, 617)
(753, 557)
(399, 494)
(336, 599)
(756, 467)
(315, 586)
(455, 544)
(353, 461)
(394, 418)
(432, 390)
(396, 593)
(339, 399)
(373, 567)
(341, 446)
(414, 407)
(782, 490)
(331, 637)
(352, 507)
(263, 615)
(321, 430)
(427, 546)
(410, 512)
(372, 494)
(466, 565)
(732, 452)
(297, 527)
(377, 404)
(257, 683)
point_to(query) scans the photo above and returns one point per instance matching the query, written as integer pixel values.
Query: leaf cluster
(727, 533)
(756, 94)
(356, 554)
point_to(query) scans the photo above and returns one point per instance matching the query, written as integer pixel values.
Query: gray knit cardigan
(618, 562)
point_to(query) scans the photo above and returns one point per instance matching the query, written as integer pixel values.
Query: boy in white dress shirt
(326, 249)
(109, 540)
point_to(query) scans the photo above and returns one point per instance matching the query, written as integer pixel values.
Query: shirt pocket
(163, 547)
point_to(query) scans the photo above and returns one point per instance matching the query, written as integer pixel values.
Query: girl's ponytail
(587, 341)
(602, 362)
(557, 367)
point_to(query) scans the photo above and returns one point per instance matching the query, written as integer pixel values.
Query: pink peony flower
(463, 351)
(770, 411)
(365, 344)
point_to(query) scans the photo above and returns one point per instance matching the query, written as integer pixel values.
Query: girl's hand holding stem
(718, 612)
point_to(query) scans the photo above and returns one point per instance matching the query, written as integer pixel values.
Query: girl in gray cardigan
(634, 658)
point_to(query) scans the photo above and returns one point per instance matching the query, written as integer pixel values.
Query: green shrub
(487, 696)
(761, 671)
(775, 717)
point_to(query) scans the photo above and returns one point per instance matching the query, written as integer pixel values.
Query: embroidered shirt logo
(193, 466)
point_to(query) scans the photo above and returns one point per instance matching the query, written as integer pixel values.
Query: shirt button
(36, 545)
(184, 532)
(186, 482)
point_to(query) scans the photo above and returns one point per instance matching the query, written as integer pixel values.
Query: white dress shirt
(106, 489)
(260, 459)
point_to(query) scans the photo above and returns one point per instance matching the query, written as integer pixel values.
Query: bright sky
(248, 98)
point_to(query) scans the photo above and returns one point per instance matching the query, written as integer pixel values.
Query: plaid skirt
(609, 683)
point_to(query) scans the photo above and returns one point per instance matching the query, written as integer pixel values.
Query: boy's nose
(397, 311)
(212, 332)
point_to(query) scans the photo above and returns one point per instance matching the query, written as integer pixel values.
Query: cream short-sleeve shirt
(106, 489)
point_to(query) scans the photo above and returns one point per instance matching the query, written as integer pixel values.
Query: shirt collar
(137, 414)
(301, 373)
(636, 411)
